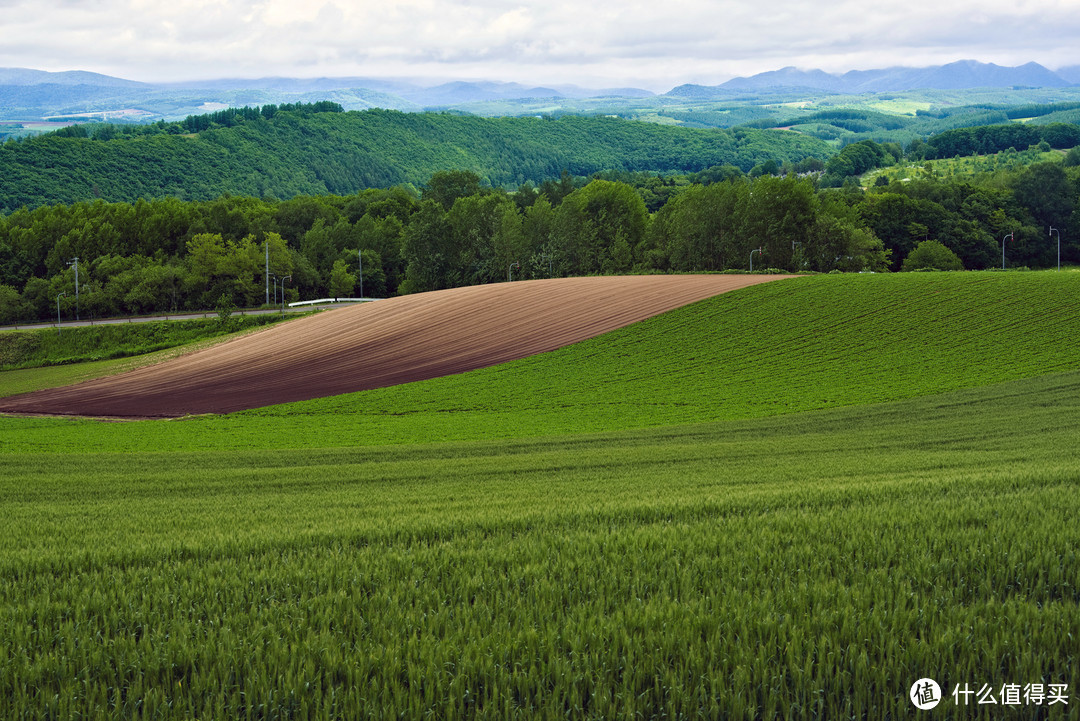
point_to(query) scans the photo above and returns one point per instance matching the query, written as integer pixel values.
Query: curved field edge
(734, 569)
(395, 341)
(784, 347)
(24, 380)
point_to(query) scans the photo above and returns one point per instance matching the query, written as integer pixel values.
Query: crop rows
(782, 347)
(801, 566)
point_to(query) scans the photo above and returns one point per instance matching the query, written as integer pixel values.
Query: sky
(596, 43)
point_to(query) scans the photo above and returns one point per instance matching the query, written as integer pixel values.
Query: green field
(789, 501)
(35, 348)
(969, 167)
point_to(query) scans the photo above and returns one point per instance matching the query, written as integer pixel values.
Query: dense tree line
(285, 151)
(851, 125)
(168, 254)
(972, 218)
(997, 138)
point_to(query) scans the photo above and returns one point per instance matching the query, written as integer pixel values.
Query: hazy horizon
(603, 44)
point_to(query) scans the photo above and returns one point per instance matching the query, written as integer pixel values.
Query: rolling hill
(301, 152)
(703, 515)
(394, 341)
(778, 348)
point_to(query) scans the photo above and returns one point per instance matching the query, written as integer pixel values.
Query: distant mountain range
(960, 75)
(34, 94)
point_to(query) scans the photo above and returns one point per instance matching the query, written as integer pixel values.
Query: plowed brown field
(379, 344)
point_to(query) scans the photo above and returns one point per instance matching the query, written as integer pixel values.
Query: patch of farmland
(801, 566)
(396, 341)
(776, 348)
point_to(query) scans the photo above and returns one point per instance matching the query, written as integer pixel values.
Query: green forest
(169, 254)
(317, 149)
(901, 118)
(465, 200)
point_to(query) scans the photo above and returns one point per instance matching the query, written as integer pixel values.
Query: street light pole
(58, 312)
(510, 271)
(755, 250)
(1010, 235)
(1055, 230)
(283, 294)
(551, 270)
(75, 262)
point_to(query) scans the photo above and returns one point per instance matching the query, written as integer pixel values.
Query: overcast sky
(655, 45)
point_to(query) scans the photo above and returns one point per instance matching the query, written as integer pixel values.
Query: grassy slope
(45, 347)
(783, 347)
(812, 563)
(43, 359)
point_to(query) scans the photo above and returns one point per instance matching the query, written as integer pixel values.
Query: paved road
(174, 316)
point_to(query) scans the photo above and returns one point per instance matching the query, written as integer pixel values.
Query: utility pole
(360, 270)
(75, 262)
(1052, 231)
(267, 243)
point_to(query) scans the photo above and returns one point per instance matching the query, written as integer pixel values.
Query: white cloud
(657, 44)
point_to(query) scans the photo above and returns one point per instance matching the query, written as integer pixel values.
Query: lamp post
(283, 294)
(1010, 235)
(510, 271)
(58, 312)
(755, 250)
(1055, 230)
(75, 262)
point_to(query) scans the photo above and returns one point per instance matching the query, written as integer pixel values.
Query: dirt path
(393, 341)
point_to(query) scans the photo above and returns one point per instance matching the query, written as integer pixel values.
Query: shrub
(930, 254)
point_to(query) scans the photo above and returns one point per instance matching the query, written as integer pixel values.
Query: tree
(930, 254)
(446, 186)
(426, 249)
(296, 216)
(1072, 158)
(778, 212)
(156, 288)
(216, 267)
(36, 295)
(536, 228)
(900, 221)
(12, 307)
(342, 282)
(592, 221)
(1044, 189)
(839, 240)
(476, 224)
(700, 229)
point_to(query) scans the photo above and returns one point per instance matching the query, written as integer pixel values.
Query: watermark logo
(925, 694)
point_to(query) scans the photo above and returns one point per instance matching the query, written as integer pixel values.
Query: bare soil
(398, 340)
